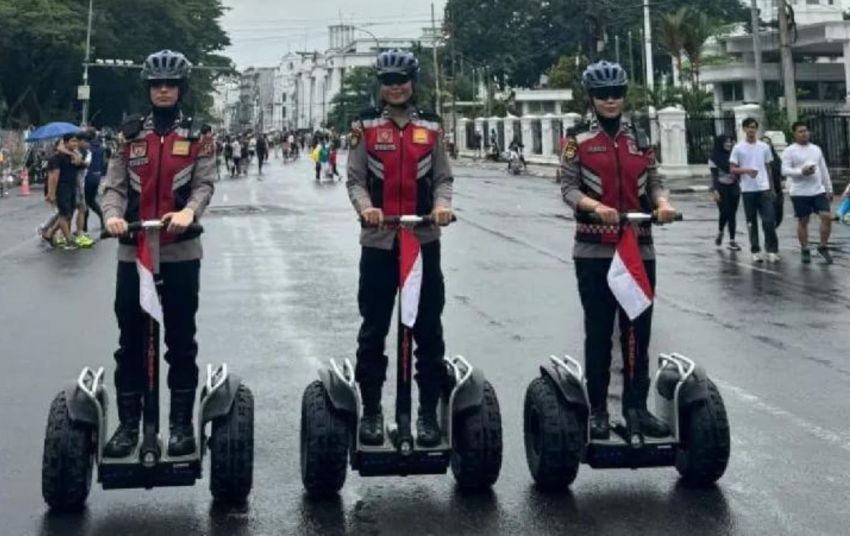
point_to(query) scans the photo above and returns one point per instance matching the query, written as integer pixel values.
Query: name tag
(181, 148)
(597, 149)
(385, 147)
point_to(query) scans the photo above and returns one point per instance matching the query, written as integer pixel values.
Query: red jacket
(160, 170)
(615, 172)
(400, 171)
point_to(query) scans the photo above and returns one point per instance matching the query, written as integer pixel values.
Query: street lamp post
(84, 90)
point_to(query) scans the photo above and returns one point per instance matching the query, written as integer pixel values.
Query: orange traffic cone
(25, 182)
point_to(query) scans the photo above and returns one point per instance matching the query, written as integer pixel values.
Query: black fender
(470, 394)
(694, 390)
(341, 394)
(218, 403)
(81, 408)
(569, 388)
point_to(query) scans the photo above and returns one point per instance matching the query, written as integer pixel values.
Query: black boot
(650, 425)
(126, 437)
(427, 427)
(600, 424)
(372, 421)
(181, 440)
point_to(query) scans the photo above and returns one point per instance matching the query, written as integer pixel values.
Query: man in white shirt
(811, 189)
(749, 160)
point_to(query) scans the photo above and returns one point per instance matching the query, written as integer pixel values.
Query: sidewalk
(694, 184)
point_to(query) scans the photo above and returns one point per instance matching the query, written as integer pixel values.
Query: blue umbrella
(53, 130)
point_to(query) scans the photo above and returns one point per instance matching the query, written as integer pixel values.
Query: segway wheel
(477, 453)
(554, 437)
(706, 442)
(325, 438)
(66, 467)
(231, 447)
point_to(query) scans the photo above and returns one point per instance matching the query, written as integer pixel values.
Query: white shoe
(758, 257)
(773, 257)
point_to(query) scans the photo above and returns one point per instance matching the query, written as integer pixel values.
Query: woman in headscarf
(724, 189)
(775, 167)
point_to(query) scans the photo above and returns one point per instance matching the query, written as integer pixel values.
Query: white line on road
(837, 439)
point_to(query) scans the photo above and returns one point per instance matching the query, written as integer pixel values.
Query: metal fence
(701, 131)
(557, 132)
(537, 136)
(832, 133)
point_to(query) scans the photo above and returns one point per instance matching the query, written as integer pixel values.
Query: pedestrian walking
(811, 189)
(62, 172)
(749, 160)
(94, 174)
(725, 190)
(776, 179)
(236, 156)
(262, 149)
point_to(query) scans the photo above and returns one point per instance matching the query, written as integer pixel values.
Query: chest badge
(138, 149)
(633, 148)
(385, 135)
(181, 148)
(420, 136)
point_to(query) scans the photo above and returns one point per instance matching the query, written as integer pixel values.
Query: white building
(306, 82)
(225, 99)
(821, 54)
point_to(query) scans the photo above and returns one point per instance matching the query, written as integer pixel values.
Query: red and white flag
(627, 276)
(411, 276)
(148, 298)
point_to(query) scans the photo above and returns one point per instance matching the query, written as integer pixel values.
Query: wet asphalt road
(278, 299)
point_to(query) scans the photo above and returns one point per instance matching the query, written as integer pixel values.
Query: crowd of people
(753, 171)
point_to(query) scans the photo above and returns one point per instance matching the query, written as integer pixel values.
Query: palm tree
(672, 31)
(698, 29)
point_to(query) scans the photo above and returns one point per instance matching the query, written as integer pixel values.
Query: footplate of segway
(616, 453)
(391, 462)
(128, 473)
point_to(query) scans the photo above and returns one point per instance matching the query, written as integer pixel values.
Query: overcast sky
(262, 31)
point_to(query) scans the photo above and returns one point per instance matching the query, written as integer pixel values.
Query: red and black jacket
(160, 169)
(616, 172)
(400, 175)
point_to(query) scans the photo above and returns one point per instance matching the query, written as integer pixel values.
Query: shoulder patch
(570, 149)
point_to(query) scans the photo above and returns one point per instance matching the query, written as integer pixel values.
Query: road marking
(836, 439)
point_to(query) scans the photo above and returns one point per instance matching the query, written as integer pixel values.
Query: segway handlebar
(628, 217)
(405, 221)
(136, 226)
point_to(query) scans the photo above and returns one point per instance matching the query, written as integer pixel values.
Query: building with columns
(305, 83)
(821, 54)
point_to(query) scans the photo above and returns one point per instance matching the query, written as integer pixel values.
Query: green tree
(357, 93)
(700, 27)
(672, 34)
(42, 49)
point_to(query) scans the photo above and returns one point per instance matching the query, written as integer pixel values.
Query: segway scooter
(77, 428)
(468, 412)
(557, 435)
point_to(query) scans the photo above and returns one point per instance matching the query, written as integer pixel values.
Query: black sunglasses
(393, 79)
(605, 93)
(169, 83)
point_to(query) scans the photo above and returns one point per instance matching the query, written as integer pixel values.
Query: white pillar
(479, 127)
(846, 58)
(546, 131)
(509, 129)
(527, 134)
(743, 112)
(674, 147)
(461, 134)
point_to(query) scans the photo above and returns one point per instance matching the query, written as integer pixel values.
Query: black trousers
(92, 184)
(730, 198)
(180, 287)
(600, 309)
(376, 296)
(761, 204)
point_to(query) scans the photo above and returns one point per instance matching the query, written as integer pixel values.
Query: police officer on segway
(160, 171)
(398, 165)
(610, 170)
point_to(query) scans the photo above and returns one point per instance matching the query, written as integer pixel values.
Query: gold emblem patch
(570, 149)
(420, 135)
(181, 148)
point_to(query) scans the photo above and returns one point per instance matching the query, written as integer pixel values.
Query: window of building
(732, 91)
(833, 91)
(807, 90)
(772, 90)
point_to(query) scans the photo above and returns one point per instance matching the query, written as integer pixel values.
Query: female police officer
(609, 170)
